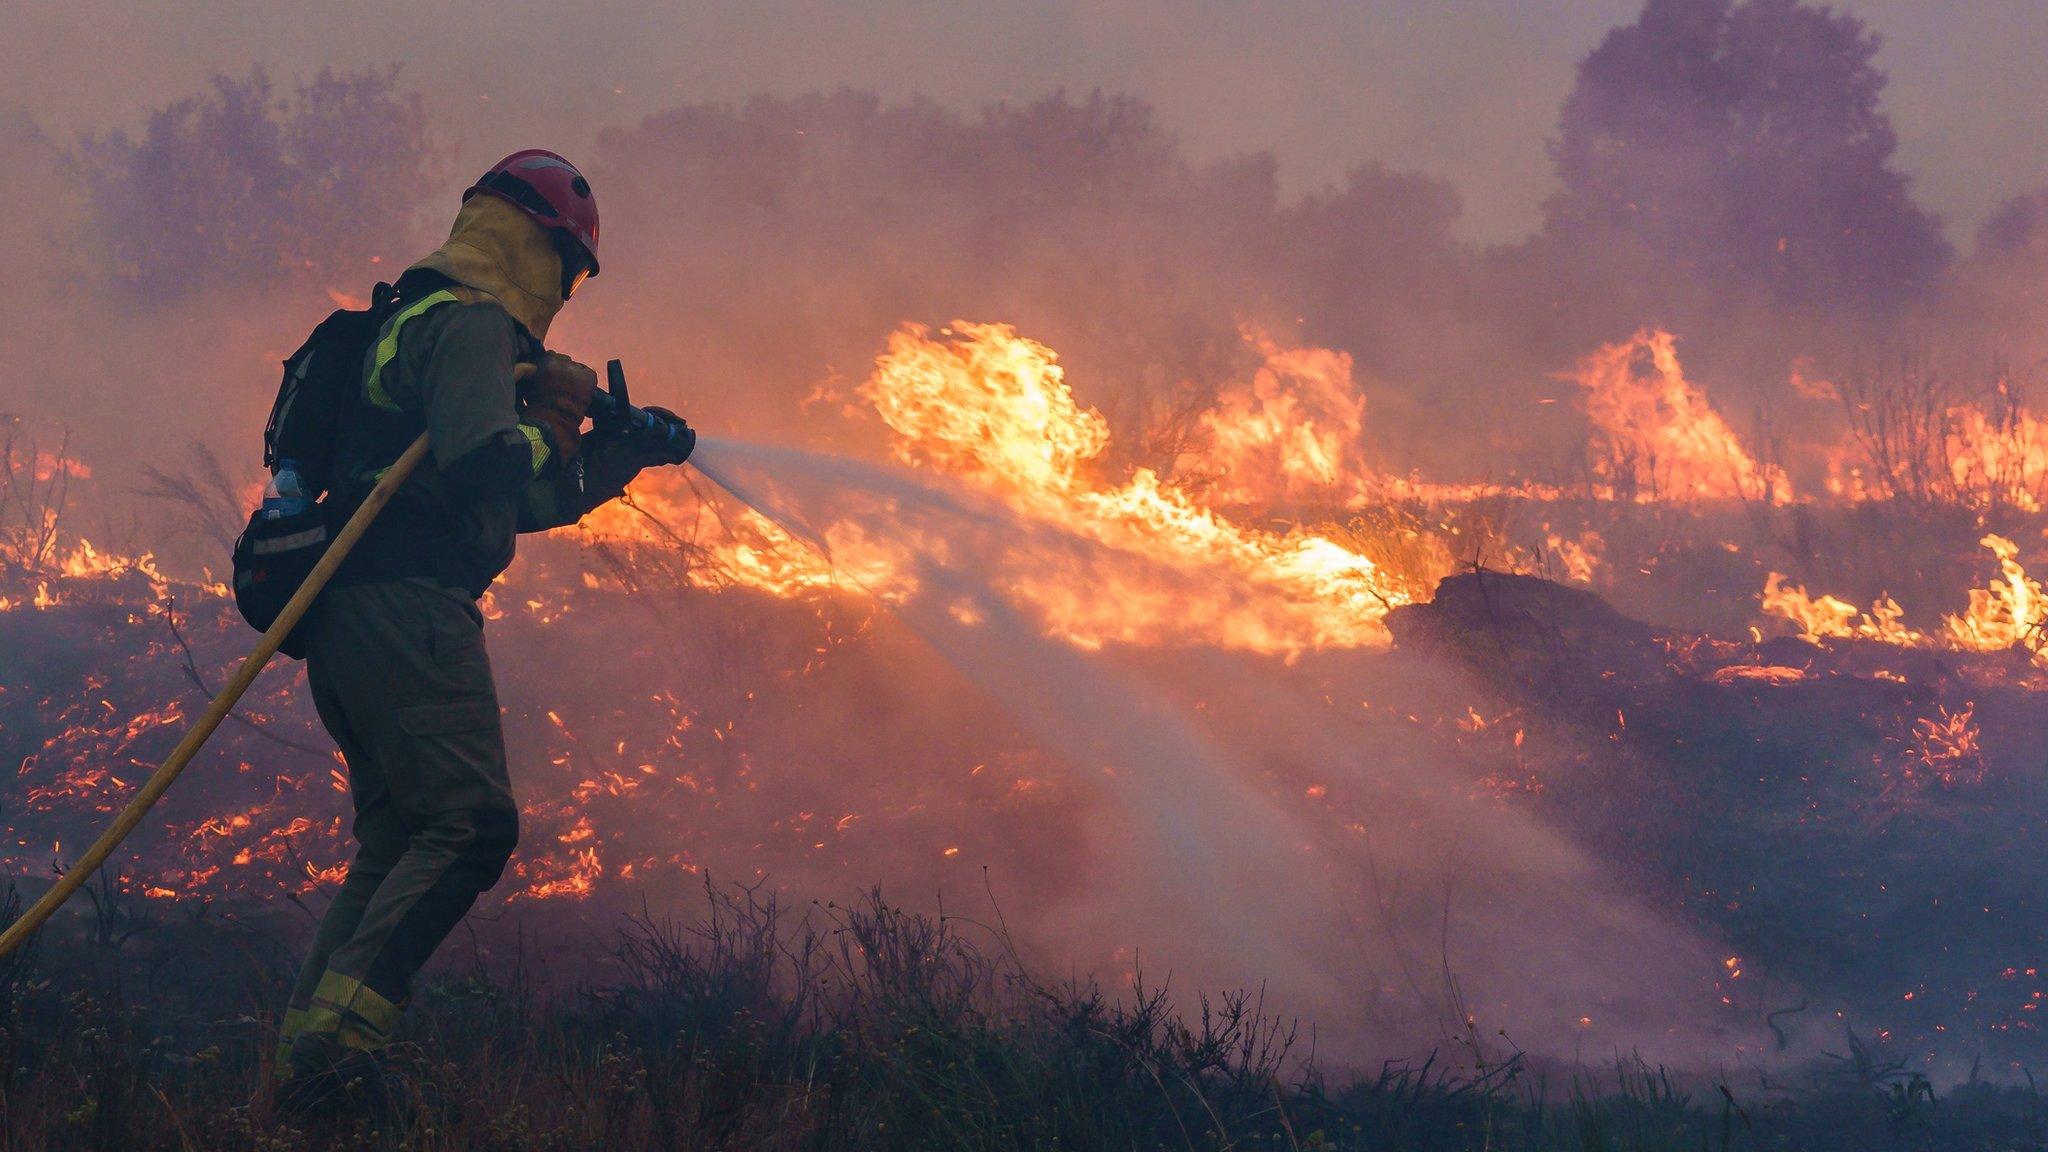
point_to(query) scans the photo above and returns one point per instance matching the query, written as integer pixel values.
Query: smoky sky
(1468, 92)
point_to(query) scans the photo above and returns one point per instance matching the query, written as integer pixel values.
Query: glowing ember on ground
(1764, 673)
(1948, 746)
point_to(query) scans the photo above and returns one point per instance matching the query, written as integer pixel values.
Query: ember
(1615, 629)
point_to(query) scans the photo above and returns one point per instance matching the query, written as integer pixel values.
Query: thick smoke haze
(1202, 856)
(1465, 92)
(1464, 202)
(775, 239)
(772, 242)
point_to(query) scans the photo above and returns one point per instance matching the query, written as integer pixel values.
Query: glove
(556, 397)
(615, 456)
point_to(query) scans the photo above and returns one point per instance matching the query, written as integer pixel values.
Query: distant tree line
(1725, 167)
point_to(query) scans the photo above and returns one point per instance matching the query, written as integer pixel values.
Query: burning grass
(1820, 804)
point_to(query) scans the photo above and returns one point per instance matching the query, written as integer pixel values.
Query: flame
(2005, 613)
(1987, 453)
(46, 466)
(58, 564)
(1577, 560)
(982, 404)
(1998, 460)
(1288, 433)
(745, 549)
(1654, 435)
(1830, 618)
(984, 407)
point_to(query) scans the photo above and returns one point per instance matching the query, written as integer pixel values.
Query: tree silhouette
(1742, 145)
(240, 189)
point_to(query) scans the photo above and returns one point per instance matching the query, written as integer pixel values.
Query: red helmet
(548, 188)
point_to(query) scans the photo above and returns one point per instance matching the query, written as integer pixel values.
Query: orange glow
(984, 407)
(1828, 618)
(1758, 673)
(1655, 437)
(2005, 613)
(1269, 532)
(1288, 434)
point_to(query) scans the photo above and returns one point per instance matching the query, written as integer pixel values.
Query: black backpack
(322, 381)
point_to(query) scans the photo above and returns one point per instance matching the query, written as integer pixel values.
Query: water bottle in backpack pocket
(283, 542)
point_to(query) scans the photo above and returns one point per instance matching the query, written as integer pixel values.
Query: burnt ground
(1862, 824)
(1872, 860)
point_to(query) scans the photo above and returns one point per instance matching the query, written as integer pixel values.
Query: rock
(1530, 630)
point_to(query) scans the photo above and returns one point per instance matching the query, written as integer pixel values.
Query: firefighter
(395, 655)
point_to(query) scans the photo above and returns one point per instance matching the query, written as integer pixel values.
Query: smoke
(758, 255)
(31, 242)
(1208, 853)
(1741, 149)
(164, 272)
(240, 192)
(1726, 173)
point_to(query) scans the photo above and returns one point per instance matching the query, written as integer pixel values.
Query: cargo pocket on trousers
(455, 759)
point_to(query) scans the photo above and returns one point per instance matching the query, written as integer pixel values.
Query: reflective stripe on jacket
(443, 364)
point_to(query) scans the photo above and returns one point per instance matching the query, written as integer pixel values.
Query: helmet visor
(576, 262)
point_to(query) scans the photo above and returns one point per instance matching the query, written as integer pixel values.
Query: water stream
(1212, 867)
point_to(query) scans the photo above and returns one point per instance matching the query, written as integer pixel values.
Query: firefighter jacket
(443, 364)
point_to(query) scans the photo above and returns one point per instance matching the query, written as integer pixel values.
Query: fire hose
(612, 407)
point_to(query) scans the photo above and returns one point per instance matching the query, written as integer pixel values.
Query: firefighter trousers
(402, 682)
